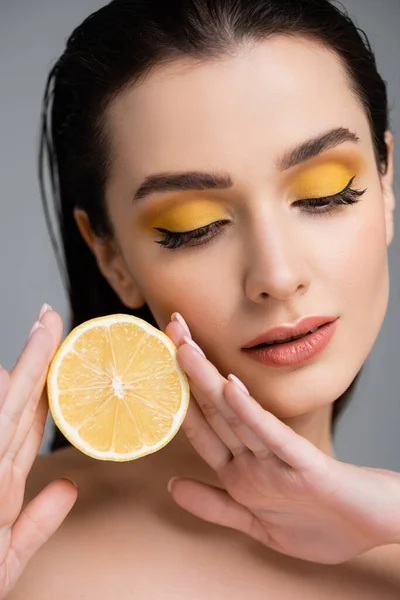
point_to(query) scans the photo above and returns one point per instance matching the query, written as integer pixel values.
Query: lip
(277, 334)
(295, 352)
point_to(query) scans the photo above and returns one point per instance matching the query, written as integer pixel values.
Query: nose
(276, 265)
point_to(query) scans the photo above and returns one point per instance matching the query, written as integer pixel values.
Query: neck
(316, 427)
(179, 457)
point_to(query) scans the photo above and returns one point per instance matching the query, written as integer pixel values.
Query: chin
(303, 390)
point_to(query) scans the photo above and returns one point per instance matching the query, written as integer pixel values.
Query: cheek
(365, 263)
(195, 284)
(364, 281)
(183, 281)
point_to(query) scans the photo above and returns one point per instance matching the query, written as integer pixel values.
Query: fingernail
(239, 383)
(36, 325)
(44, 310)
(177, 317)
(71, 481)
(170, 483)
(194, 345)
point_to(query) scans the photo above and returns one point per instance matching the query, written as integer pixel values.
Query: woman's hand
(23, 410)
(277, 487)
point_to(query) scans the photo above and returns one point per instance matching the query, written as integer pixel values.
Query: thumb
(211, 504)
(39, 520)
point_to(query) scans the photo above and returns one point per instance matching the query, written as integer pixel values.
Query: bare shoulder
(67, 462)
(126, 539)
(384, 561)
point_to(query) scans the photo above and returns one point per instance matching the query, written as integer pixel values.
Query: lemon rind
(70, 433)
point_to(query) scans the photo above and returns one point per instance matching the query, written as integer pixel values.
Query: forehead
(237, 112)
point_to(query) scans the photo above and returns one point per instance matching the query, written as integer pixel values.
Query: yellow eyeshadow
(190, 215)
(322, 180)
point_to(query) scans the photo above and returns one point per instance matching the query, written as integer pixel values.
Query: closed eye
(314, 206)
(329, 204)
(195, 237)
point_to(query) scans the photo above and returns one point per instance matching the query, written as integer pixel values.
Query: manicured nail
(71, 481)
(170, 483)
(177, 317)
(194, 345)
(36, 325)
(44, 310)
(239, 383)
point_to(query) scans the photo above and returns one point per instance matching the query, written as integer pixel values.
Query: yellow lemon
(115, 388)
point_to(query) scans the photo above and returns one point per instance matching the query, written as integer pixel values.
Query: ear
(388, 192)
(111, 263)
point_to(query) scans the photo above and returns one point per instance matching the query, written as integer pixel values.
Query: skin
(272, 264)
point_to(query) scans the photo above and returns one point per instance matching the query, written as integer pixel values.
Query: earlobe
(83, 224)
(388, 191)
(110, 263)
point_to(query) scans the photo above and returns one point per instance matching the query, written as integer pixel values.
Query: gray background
(32, 35)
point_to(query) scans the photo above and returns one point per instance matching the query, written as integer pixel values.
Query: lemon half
(116, 390)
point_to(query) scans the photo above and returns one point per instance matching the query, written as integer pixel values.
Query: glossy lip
(294, 353)
(277, 334)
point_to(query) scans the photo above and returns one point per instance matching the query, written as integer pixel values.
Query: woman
(228, 163)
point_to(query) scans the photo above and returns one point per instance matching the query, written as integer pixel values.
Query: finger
(4, 385)
(53, 323)
(248, 440)
(244, 433)
(175, 332)
(177, 318)
(204, 439)
(27, 380)
(177, 329)
(287, 445)
(39, 520)
(207, 385)
(29, 449)
(28, 372)
(211, 504)
(198, 431)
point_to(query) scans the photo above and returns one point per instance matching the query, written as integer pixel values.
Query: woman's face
(272, 258)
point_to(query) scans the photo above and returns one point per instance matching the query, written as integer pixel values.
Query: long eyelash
(175, 239)
(329, 204)
(315, 206)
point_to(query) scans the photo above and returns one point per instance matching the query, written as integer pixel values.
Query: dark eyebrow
(188, 180)
(198, 180)
(315, 146)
